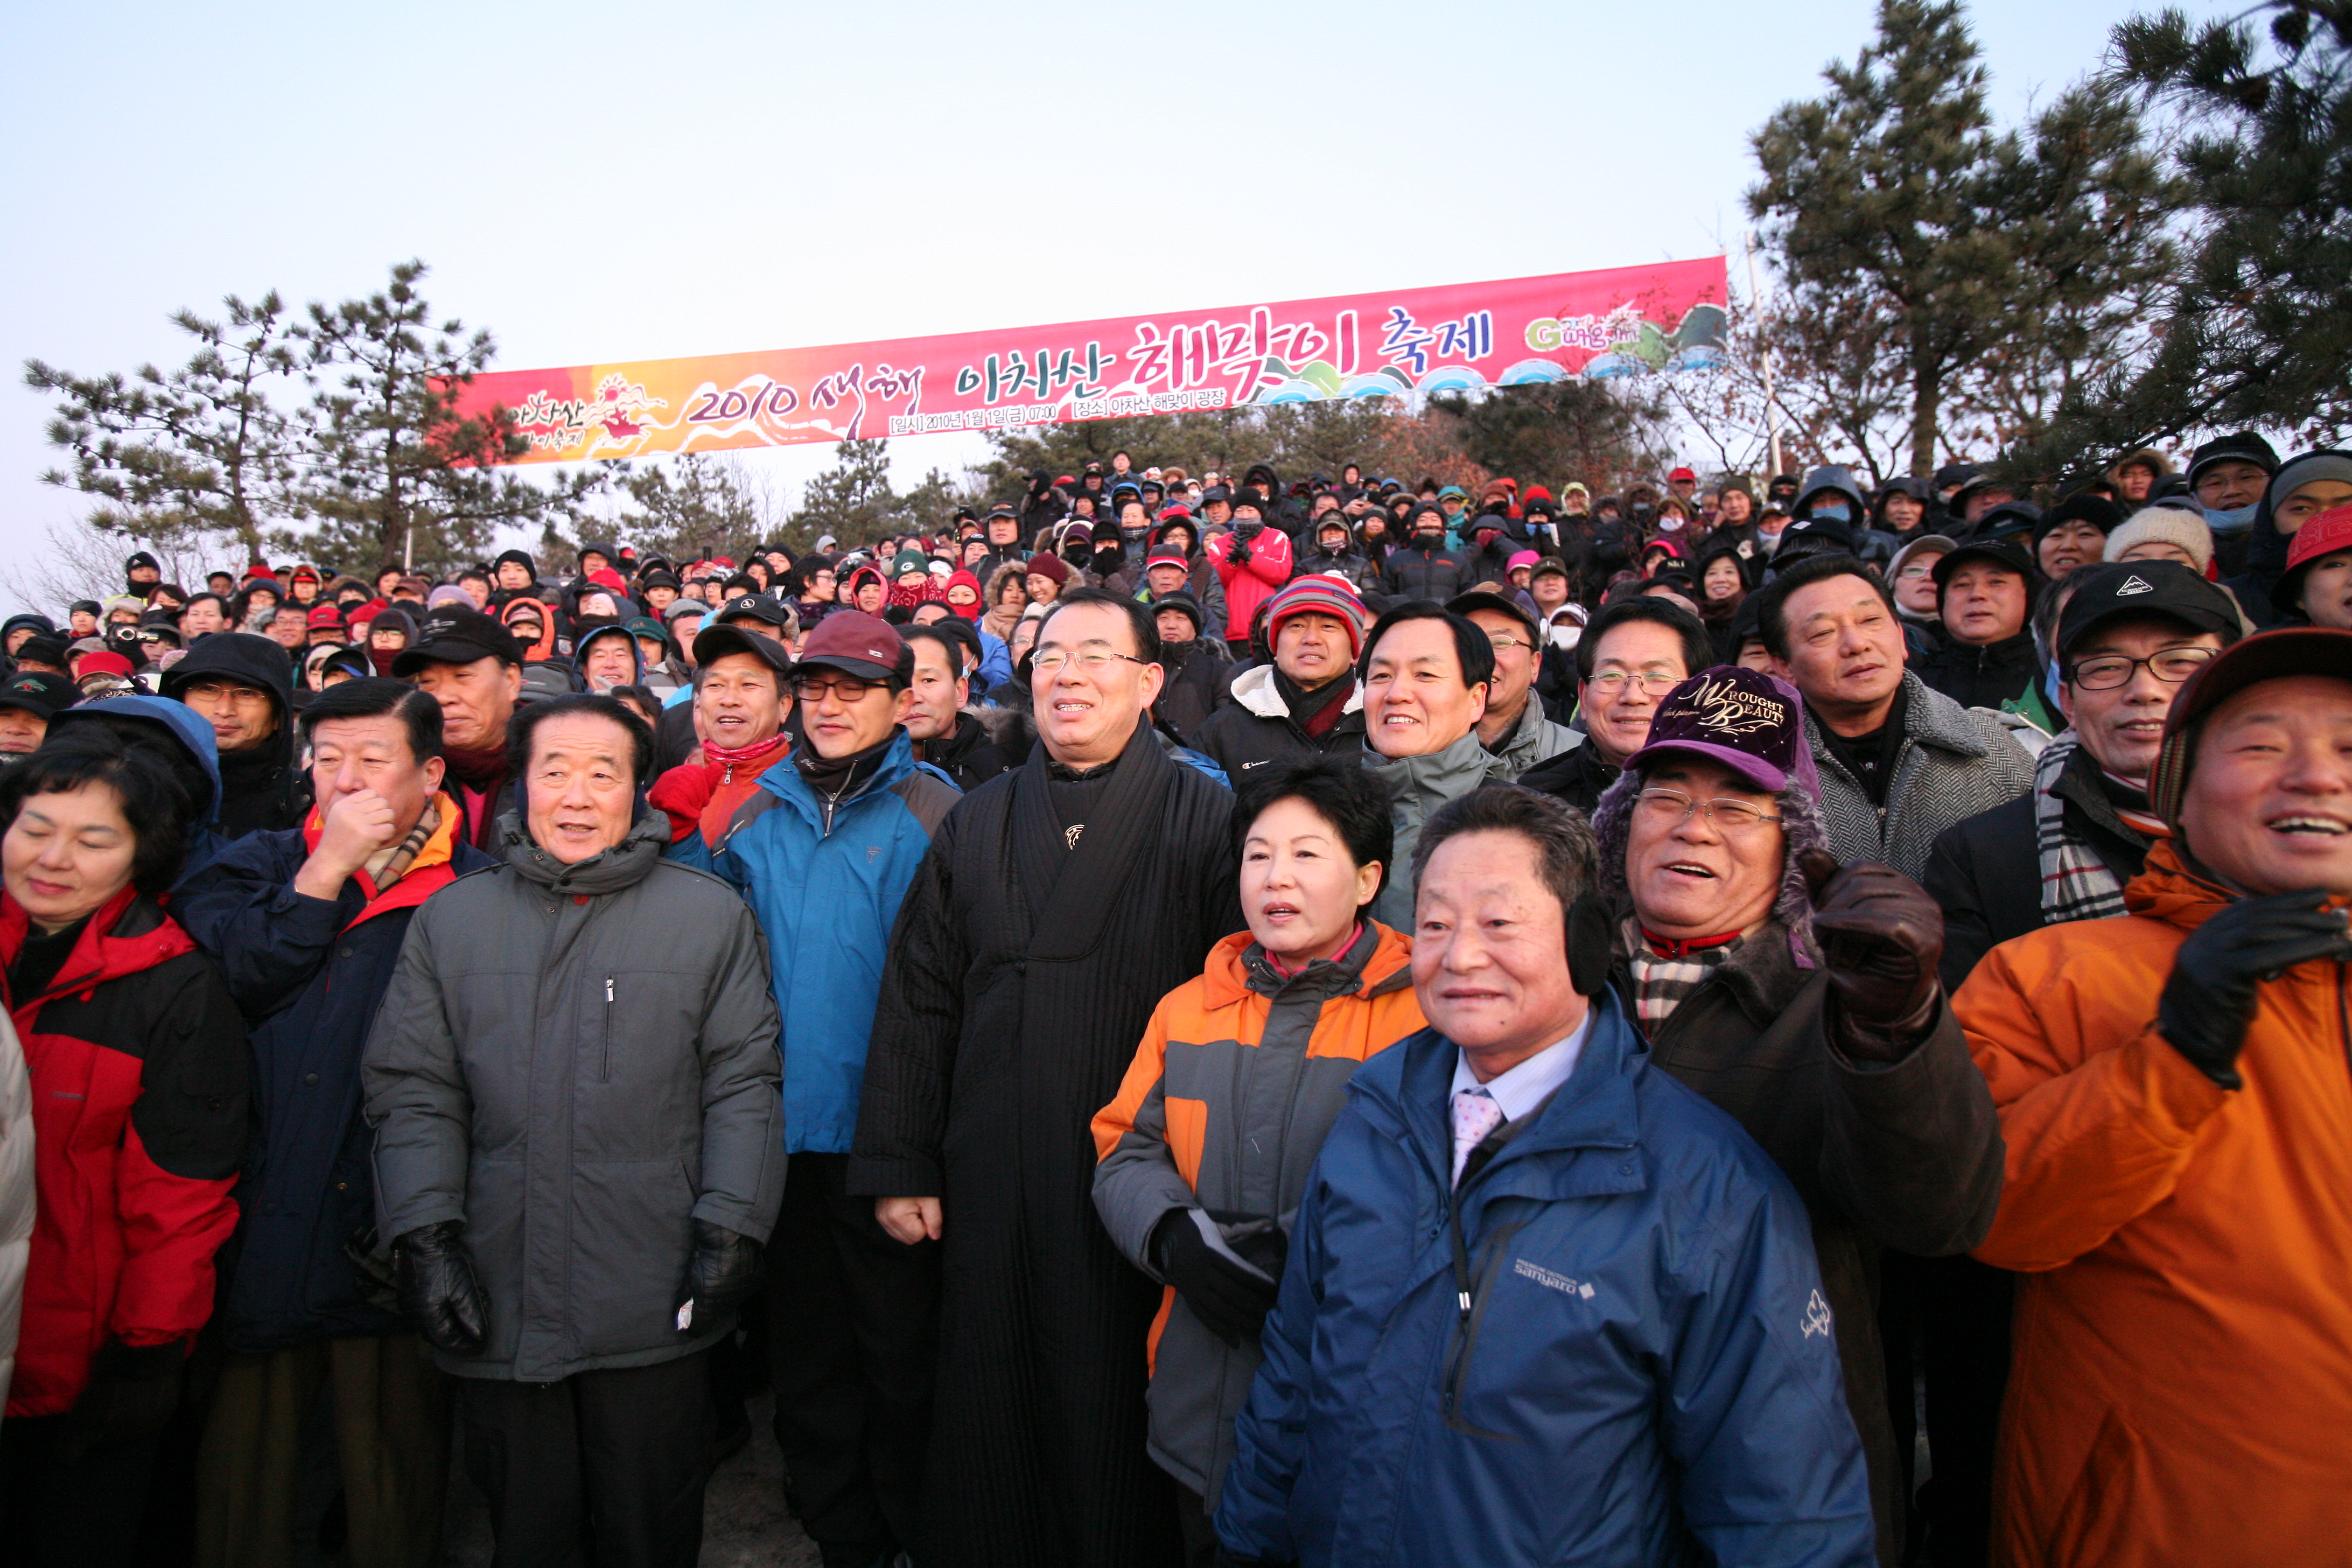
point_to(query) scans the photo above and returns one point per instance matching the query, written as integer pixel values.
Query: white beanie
(2167, 525)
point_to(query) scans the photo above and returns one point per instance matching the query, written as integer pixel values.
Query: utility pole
(1771, 402)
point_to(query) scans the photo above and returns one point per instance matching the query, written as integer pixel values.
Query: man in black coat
(1058, 903)
(306, 925)
(243, 687)
(1984, 593)
(1423, 568)
(946, 736)
(2065, 850)
(1307, 702)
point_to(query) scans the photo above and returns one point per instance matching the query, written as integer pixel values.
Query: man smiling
(1426, 673)
(2171, 1180)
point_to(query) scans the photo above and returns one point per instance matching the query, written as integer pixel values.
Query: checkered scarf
(2075, 883)
(1666, 973)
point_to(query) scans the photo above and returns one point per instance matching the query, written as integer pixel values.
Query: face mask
(2236, 520)
(1671, 524)
(1837, 511)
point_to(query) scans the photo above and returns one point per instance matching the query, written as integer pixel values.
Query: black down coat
(1021, 974)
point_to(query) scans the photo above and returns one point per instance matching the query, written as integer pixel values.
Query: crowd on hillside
(1197, 1018)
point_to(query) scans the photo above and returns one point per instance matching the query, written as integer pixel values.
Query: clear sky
(605, 182)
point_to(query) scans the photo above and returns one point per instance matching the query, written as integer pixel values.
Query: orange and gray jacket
(1240, 1075)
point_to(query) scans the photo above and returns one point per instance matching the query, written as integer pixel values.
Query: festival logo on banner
(1462, 337)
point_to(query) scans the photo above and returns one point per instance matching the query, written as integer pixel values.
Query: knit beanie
(1325, 595)
(2168, 525)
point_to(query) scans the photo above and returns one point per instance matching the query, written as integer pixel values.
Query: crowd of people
(1192, 1018)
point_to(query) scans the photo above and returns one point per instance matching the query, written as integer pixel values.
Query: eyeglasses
(1047, 666)
(1672, 807)
(2104, 672)
(1505, 642)
(1610, 682)
(848, 688)
(1915, 570)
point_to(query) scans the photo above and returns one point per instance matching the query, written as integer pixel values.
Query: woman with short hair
(138, 1067)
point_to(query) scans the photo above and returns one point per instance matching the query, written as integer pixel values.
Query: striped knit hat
(1325, 595)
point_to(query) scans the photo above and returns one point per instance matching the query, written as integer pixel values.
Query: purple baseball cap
(1742, 719)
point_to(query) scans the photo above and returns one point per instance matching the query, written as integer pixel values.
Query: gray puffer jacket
(1954, 763)
(578, 1062)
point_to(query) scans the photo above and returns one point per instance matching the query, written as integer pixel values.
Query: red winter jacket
(139, 1065)
(1254, 583)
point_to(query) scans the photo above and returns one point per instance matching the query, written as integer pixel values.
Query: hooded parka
(138, 1072)
(1255, 727)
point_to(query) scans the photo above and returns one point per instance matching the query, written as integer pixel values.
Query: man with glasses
(1514, 728)
(1630, 656)
(1804, 1000)
(823, 850)
(1059, 902)
(2131, 636)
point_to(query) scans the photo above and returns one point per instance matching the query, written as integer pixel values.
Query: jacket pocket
(604, 1037)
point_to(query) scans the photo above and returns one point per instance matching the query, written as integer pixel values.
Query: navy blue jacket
(309, 981)
(1648, 1372)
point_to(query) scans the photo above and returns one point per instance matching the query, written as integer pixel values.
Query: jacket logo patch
(873, 853)
(1817, 1315)
(1581, 1288)
(2135, 584)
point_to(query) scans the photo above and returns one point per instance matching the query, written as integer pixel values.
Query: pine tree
(1602, 433)
(1895, 211)
(2252, 331)
(689, 507)
(187, 456)
(393, 474)
(850, 501)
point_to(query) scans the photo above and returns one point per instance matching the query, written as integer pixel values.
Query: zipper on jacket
(605, 1064)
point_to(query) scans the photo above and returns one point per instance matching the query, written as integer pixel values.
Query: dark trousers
(853, 1334)
(1953, 1315)
(1197, 1528)
(607, 1467)
(65, 1510)
(390, 1412)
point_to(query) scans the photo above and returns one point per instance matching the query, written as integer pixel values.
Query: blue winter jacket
(827, 886)
(1647, 1373)
(307, 981)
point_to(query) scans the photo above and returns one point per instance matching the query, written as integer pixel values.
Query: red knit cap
(1325, 595)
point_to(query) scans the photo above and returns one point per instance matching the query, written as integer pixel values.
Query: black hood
(248, 657)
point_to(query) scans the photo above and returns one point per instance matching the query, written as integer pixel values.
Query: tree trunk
(1927, 396)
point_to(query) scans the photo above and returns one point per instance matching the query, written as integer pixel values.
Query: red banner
(1458, 337)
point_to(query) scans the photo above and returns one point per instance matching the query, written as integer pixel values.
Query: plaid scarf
(1666, 972)
(2075, 883)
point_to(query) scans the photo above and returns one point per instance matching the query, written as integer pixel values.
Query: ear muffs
(1588, 945)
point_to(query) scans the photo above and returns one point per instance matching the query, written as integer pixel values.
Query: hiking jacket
(1954, 763)
(18, 1198)
(1417, 787)
(1239, 1076)
(578, 1061)
(1985, 872)
(1900, 1154)
(827, 877)
(1255, 727)
(1253, 583)
(306, 974)
(2181, 1384)
(1646, 1358)
(138, 1064)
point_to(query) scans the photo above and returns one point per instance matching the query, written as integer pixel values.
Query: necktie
(1475, 1114)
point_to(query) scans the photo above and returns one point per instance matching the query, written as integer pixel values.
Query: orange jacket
(2181, 1390)
(1239, 1075)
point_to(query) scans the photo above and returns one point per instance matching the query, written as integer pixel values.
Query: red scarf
(705, 794)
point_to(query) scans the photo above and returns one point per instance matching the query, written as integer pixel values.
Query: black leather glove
(1881, 937)
(1237, 550)
(438, 1292)
(1228, 1301)
(131, 1392)
(2208, 999)
(724, 1269)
